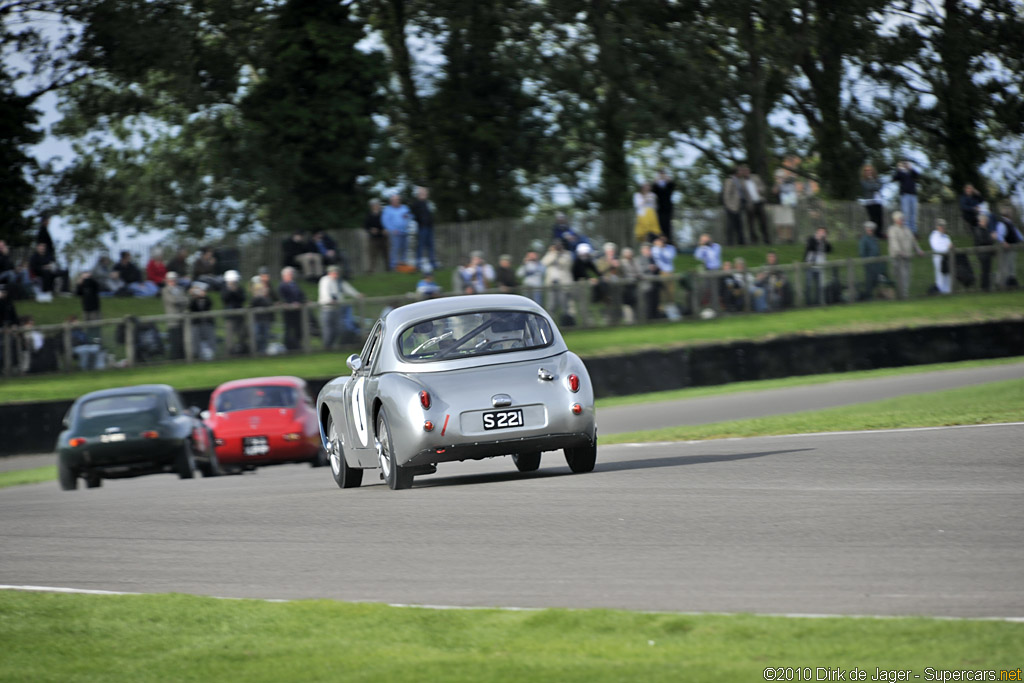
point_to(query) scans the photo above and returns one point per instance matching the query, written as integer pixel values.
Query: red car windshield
(249, 398)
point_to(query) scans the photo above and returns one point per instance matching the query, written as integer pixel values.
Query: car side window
(371, 348)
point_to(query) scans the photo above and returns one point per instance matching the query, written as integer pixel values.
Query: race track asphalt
(745, 405)
(927, 522)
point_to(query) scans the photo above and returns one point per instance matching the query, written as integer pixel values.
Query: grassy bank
(605, 341)
(65, 638)
(983, 404)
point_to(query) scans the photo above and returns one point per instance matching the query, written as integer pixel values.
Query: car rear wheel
(185, 463)
(212, 467)
(344, 476)
(93, 480)
(526, 462)
(582, 459)
(396, 477)
(67, 478)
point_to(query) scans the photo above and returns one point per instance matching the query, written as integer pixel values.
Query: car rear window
(248, 398)
(474, 334)
(118, 405)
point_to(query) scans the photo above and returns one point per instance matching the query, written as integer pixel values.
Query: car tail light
(574, 383)
(425, 399)
(292, 436)
(150, 434)
(577, 409)
(76, 442)
(428, 426)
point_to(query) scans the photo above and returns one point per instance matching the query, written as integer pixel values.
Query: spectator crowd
(571, 273)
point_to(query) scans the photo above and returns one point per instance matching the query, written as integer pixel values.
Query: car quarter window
(372, 347)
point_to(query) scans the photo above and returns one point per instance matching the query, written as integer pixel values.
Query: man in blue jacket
(395, 218)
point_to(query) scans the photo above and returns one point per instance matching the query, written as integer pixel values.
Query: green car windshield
(474, 334)
(126, 412)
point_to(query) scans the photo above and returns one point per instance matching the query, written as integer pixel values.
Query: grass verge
(33, 476)
(983, 404)
(603, 341)
(50, 637)
(804, 380)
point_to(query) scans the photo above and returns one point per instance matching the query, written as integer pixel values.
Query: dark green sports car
(131, 431)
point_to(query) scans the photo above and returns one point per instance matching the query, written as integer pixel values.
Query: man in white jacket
(940, 243)
(335, 319)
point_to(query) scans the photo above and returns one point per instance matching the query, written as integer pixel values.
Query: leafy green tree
(955, 70)
(309, 118)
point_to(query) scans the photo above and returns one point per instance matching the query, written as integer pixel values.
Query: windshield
(247, 398)
(474, 334)
(118, 405)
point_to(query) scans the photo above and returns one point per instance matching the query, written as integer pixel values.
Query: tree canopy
(214, 117)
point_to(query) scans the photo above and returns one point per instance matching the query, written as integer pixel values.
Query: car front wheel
(185, 463)
(67, 478)
(582, 459)
(396, 477)
(344, 476)
(526, 462)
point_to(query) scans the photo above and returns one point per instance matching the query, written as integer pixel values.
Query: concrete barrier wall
(33, 427)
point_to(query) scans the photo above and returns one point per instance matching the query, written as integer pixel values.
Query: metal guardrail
(254, 332)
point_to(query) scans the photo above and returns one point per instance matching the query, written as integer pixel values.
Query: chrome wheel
(334, 449)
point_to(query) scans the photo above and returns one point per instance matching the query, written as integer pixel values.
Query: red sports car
(264, 421)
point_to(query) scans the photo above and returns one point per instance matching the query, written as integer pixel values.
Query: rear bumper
(123, 459)
(281, 451)
(489, 449)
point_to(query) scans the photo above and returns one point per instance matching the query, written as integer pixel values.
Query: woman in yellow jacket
(645, 203)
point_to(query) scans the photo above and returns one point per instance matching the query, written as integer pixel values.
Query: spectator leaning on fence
(293, 296)
(869, 247)
(709, 253)
(336, 320)
(1006, 235)
(940, 244)
(531, 274)
(902, 248)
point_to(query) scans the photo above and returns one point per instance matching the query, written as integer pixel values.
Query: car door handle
(544, 375)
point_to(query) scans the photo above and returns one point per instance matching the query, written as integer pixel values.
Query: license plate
(503, 419)
(255, 445)
(107, 438)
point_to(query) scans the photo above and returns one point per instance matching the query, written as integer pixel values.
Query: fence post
(129, 341)
(951, 256)
(304, 326)
(694, 278)
(8, 350)
(799, 284)
(851, 282)
(69, 356)
(186, 334)
(716, 282)
(250, 324)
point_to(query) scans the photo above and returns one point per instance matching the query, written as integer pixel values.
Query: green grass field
(604, 341)
(69, 638)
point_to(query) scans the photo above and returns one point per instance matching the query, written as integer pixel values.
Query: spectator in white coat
(940, 243)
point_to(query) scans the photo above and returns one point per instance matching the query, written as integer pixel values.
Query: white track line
(638, 444)
(792, 615)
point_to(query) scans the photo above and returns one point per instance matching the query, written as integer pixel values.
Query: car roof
(449, 305)
(278, 380)
(126, 391)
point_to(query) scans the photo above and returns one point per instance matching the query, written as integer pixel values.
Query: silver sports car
(465, 377)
